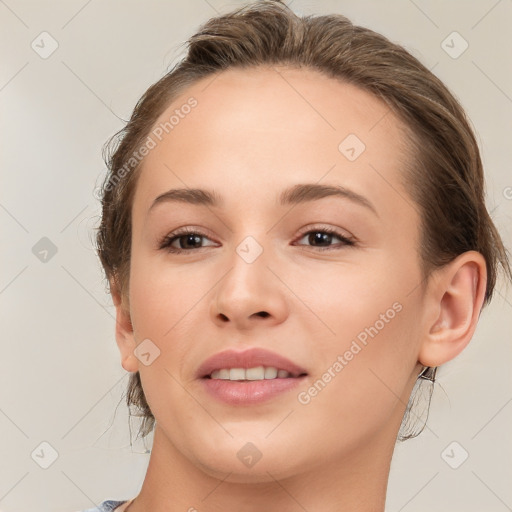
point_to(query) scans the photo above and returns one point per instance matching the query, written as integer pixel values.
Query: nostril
(264, 314)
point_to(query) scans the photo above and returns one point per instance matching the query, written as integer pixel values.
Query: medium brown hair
(445, 182)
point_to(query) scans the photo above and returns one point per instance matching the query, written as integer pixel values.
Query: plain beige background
(61, 382)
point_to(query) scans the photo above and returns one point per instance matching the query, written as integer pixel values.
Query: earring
(428, 373)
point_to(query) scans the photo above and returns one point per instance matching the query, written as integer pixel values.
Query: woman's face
(263, 272)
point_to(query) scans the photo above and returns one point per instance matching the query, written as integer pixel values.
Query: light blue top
(106, 506)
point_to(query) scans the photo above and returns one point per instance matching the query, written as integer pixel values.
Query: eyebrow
(300, 193)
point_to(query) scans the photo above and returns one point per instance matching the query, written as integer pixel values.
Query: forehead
(253, 132)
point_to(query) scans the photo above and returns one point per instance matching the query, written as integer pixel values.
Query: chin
(261, 472)
(249, 459)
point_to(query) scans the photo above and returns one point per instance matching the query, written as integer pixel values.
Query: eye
(187, 239)
(324, 237)
(183, 240)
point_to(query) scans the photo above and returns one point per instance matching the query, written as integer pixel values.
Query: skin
(253, 134)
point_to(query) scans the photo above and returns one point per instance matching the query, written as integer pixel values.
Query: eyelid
(330, 229)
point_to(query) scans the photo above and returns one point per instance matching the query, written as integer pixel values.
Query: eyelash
(169, 239)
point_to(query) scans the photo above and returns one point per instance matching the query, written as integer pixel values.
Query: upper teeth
(256, 373)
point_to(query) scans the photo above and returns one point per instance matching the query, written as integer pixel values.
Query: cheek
(164, 306)
(162, 296)
(361, 387)
(368, 347)
(345, 299)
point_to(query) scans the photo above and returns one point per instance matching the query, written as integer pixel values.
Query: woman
(295, 234)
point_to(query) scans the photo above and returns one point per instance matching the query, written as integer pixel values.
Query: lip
(248, 359)
(242, 393)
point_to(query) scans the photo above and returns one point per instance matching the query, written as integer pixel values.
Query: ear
(453, 306)
(124, 331)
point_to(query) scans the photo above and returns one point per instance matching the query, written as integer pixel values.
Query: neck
(356, 480)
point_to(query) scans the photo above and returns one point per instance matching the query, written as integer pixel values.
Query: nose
(249, 295)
